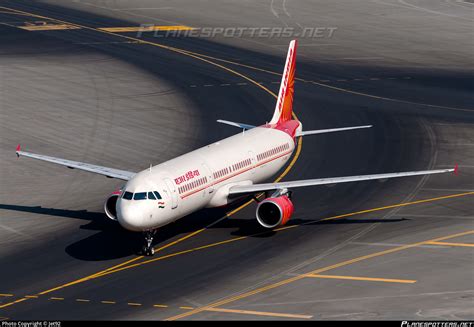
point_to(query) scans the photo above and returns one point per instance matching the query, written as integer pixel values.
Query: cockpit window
(127, 195)
(151, 196)
(158, 196)
(140, 196)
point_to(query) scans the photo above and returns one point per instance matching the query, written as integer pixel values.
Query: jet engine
(274, 211)
(110, 205)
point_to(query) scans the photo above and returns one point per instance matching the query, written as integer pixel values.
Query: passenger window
(127, 196)
(140, 196)
(151, 196)
(158, 196)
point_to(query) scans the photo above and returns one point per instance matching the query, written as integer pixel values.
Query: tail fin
(284, 105)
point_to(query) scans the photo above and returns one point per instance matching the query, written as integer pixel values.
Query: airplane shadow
(112, 241)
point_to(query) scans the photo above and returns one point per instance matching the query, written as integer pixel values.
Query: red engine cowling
(273, 212)
(110, 205)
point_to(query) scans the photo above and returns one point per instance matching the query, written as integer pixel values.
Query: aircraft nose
(129, 216)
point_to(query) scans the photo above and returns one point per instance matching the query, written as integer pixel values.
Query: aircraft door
(253, 159)
(210, 177)
(173, 193)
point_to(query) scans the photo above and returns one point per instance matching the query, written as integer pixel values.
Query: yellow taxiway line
(281, 229)
(452, 244)
(133, 304)
(48, 27)
(153, 28)
(122, 266)
(245, 312)
(190, 54)
(261, 313)
(339, 89)
(186, 308)
(202, 57)
(370, 279)
(400, 205)
(314, 272)
(196, 56)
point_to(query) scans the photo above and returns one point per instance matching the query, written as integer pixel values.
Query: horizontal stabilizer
(239, 125)
(331, 130)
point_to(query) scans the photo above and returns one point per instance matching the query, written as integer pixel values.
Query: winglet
(18, 148)
(456, 169)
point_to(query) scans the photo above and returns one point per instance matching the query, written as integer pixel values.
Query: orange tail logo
(284, 106)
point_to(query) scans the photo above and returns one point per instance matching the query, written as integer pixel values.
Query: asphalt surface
(102, 98)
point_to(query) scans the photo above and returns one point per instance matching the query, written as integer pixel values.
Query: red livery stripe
(235, 174)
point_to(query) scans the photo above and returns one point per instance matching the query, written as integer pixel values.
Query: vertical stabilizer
(284, 105)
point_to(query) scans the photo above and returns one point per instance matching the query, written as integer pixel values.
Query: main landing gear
(148, 249)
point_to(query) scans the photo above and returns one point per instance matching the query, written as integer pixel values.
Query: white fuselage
(201, 178)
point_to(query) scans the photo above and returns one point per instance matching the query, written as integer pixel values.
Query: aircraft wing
(255, 188)
(108, 172)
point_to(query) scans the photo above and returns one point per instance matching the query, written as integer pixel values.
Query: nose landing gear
(148, 249)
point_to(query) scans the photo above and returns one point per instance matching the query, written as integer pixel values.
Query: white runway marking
(14, 231)
(151, 8)
(361, 58)
(431, 11)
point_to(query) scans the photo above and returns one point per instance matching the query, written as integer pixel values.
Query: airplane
(220, 173)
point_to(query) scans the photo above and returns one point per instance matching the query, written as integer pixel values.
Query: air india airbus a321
(217, 174)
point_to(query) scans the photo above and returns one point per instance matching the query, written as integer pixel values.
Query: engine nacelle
(275, 211)
(110, 205)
